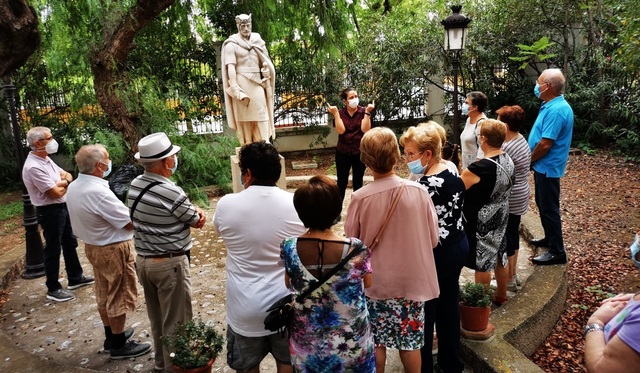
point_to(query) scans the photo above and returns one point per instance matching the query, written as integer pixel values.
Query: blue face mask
(108, 171)
(536, 90)
(465, 109)
(416, 167)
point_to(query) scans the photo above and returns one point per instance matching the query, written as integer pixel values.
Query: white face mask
(108, 171)
(353, 103)
(51, 147)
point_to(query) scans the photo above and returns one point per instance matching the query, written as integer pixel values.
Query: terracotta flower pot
(474, 319)
(202, 369)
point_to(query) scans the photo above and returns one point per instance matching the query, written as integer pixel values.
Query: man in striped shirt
(162, 218)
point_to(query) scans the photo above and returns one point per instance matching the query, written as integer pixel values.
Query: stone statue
(248, 78)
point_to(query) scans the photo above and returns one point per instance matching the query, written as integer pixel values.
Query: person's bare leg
(411, 360)
(381, 358)
(513, 266)
(284, 368)
(117, 323)
(483, 278)
(502, 277)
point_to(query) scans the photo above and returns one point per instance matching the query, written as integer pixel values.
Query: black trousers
(344, 163)
(56, 227)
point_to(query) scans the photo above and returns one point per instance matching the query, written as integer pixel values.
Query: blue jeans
(547, 191)
(56, 227)
(345, 162)
(444, 310)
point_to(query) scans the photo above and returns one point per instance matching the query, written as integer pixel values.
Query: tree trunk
(107, 65)
(19, 35)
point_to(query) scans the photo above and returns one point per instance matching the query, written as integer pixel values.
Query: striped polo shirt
(518, 150)
(163, 216)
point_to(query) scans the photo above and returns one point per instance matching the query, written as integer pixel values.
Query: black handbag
(281, 312)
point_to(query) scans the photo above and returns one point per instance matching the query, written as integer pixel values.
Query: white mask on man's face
(51, 147)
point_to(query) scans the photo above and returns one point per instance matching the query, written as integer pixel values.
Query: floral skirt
(397, 323)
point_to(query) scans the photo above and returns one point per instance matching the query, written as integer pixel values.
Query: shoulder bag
(281, 312)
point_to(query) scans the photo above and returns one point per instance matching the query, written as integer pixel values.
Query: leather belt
(167, 255)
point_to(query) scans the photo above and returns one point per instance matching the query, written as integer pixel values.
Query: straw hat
(155, 147)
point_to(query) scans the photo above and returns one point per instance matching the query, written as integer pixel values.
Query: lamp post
(34, 266)
(455, 39)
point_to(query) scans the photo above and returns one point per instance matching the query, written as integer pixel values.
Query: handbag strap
(316, 284)
(145, 190)
(374, 243)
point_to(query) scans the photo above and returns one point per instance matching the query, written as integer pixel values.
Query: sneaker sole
(60, 299)
(132, 355)
(73, 287)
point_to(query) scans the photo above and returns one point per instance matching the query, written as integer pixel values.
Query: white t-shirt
(470, 145)
(253, 224)
(97, 216)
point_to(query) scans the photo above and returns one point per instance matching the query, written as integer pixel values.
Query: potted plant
(194, 346)
(475, 306)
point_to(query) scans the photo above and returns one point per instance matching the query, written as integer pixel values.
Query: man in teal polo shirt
(549, 142)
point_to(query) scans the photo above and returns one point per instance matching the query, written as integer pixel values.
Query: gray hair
(36, 134)
(243, 18)
(555, 78)
(88, 156)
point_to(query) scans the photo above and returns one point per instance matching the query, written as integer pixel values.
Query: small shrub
(193, 343)
(475, 295)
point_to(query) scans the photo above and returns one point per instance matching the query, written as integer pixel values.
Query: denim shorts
(245, 353)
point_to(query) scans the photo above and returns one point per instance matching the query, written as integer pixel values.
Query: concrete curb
(523, 323)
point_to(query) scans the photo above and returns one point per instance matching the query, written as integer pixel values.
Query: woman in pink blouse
(402, 263)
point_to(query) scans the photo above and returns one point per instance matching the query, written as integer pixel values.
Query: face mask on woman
(465, 109)
(353, 103)
(416, 167)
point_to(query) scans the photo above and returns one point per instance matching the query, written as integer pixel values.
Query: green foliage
(204, 160)
(193, 343)
(475, 295)
(530, 54)
(11, 210)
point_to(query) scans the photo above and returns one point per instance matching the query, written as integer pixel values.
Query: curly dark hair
(345, 92)
(263, 160)
(318, 202)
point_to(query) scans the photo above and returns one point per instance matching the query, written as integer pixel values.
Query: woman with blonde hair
(397, 219)
(447, 192)
(488, 182)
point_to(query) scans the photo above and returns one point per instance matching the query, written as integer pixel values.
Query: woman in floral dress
(330, 331)
(447, 193)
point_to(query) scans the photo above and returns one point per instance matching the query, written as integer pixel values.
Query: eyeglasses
(409, 156)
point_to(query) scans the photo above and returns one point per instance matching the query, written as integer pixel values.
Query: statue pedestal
(235, 173)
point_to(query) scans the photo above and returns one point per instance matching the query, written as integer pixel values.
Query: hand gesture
(606, 312)
(370, 107)
(332, 110)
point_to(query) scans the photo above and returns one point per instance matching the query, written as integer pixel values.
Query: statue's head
(243, 21)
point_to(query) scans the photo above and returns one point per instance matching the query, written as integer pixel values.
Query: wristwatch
(592, 328)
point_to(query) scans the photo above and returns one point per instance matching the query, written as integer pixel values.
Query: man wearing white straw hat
(162, 216)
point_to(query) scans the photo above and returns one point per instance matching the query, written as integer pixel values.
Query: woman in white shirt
(473, 107)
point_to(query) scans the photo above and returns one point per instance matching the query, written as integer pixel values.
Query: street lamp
(455, 39)
(34, 263)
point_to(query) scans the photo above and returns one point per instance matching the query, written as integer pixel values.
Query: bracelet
(592, 328)
(365, 113)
